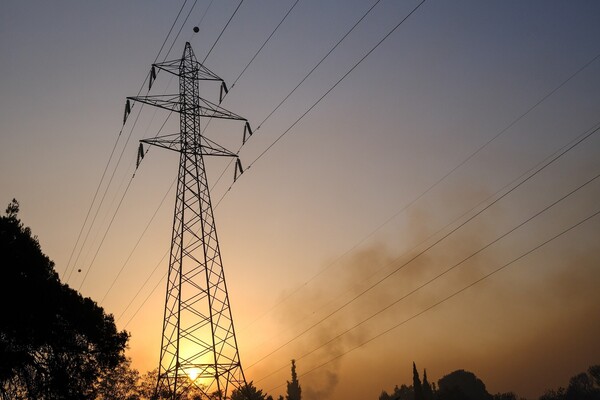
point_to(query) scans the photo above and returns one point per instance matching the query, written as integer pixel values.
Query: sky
(421, 157)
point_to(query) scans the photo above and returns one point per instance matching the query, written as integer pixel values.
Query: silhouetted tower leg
(198, 346)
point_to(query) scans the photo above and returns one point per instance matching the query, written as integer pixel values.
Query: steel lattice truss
(199, 346)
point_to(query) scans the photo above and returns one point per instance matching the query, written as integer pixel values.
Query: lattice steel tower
(198, 346)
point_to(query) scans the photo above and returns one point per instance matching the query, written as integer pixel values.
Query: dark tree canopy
(427, 389)
(417, 387)
(248, 392)
(462, 385)
(294, 391)
(54, 343)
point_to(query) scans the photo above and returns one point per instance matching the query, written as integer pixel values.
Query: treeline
(464, 385)
(54, 343)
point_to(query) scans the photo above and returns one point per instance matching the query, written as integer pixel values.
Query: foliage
(248, 392)
(462, 385)
(417, 387)
(428, 390)
(54, 343)
(583, 386)
(400, 393)
(505, 396)
(294, 391)
(120, 383)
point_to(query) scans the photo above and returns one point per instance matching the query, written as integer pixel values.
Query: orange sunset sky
(452, 113)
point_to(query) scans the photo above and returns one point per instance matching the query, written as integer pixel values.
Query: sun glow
(193, 373)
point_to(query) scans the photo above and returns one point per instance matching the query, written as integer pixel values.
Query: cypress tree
(294, 392)
(427, 391)
(417, 384)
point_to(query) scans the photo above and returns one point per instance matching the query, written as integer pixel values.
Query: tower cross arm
(205, 147)
(165, 101)
(172, 102)
(196, 72)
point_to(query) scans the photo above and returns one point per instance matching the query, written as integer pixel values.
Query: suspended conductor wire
(91, 205)
(431, 187)
(67, 272)
(140, 290)
(146, 299)
(327, 55)
(440, 275)
(263, 45)
(393, 272)
(238, 78)
(169, 34)
(453, 221)
(181, 28)
(204, 14)
(502, 267)
(104, 194)
(138, 242)
(328, 91)
(88, 269)
(297, 86)
(222, 30)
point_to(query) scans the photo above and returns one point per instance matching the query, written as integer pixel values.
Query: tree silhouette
(119, 383)
(505, 396)
(462, 385)
(54, 343)
(583, 386)
(417, 384)
(248, 392)
(294, 392)
(427, 390)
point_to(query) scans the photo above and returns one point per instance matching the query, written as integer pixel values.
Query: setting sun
(193, 373)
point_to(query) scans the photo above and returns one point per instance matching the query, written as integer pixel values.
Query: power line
(238, 78)
(223, 30)
(67, 273)
(105, 233)
(443, 273)
(321, 61)
(523, 255)
(328, 91)
(434, 185)
(387, 276)
(140, 290)
(264, 44)
(105, 193)
(138, 242)
(181, 28)
(297, 86)
(145, 300)
(451, 223)
(338, 82)
(169, 34)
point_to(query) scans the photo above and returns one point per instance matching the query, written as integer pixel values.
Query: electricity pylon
(199, 346)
